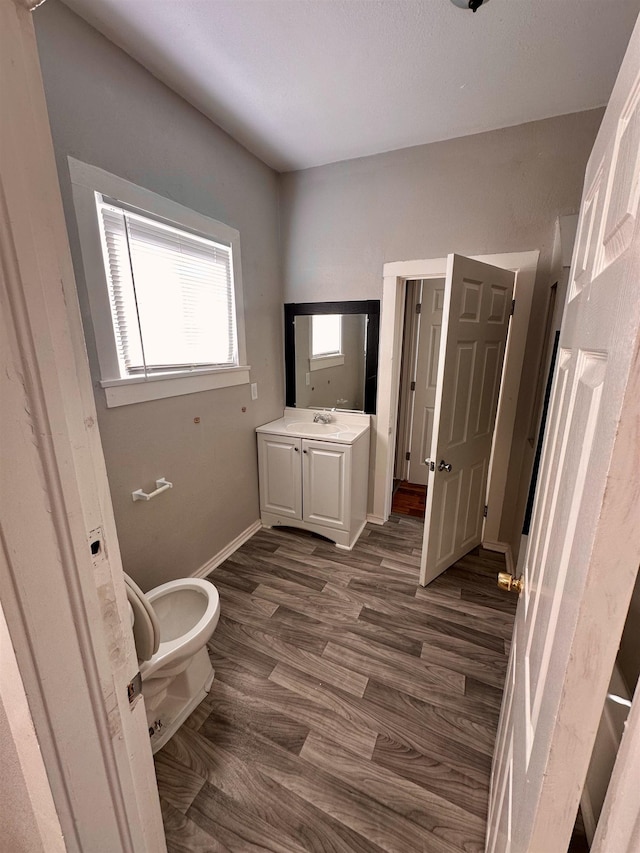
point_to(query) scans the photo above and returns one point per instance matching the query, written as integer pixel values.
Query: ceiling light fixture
(474, 5)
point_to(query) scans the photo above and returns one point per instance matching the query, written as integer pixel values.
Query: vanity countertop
(344, 427)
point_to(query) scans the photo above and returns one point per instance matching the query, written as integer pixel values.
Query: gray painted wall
(492, 192)
(106, 110)
(19, 829)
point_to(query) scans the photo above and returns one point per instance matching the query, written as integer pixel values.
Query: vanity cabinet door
(326, 483)
(280, 475)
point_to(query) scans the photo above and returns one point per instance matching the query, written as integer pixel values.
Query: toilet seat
(172, 625)
(198, 631)
(146, 628)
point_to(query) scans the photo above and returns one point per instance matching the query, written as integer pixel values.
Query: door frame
(395, 276)
(411, 330)
(65, 607)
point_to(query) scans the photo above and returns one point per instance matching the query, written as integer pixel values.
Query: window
(164, 288)
(326, 335)
(171, 294)
(326, 341)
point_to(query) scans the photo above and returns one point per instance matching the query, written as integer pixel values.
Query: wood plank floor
(351, 709)
(409, 499)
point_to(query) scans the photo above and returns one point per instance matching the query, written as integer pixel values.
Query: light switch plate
(254, 390)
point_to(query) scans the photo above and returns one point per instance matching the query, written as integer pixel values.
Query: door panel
(476, 303)
(584, 544)
(462, 392)
(426, 378)
(571, 473)
(326, 484)
(280, 475)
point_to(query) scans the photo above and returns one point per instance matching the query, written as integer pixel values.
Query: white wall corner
(501, 548)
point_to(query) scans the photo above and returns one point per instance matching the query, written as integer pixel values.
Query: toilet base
(169, 707)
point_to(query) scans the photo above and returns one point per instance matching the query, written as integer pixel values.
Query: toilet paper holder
(161, 486)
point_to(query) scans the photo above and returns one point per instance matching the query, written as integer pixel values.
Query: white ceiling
(306, 82)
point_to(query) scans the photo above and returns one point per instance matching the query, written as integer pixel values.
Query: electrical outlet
(254, 390)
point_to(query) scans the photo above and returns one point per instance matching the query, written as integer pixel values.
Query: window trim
(86, 181)
(322, 362)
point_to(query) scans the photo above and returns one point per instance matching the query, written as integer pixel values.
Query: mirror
(331, 354)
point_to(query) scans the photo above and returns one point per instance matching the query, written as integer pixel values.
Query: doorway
(418, 382)
(396, 275)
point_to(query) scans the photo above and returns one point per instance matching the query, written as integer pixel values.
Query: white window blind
(171, 294)
(326, 335)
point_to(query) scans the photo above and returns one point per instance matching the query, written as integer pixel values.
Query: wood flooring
(351, 710)
(409, 499)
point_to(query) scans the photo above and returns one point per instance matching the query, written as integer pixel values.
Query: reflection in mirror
(331, 355)
(330, 361)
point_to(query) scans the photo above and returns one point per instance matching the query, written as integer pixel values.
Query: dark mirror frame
(370, 307)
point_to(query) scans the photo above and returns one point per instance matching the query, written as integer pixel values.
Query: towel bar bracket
(161, 486)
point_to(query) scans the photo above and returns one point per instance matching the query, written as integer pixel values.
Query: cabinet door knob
(297, 449)
(304, 451)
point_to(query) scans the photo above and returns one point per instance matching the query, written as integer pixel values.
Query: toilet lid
(146, 628)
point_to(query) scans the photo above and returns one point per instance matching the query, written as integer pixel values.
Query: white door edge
(66, 611)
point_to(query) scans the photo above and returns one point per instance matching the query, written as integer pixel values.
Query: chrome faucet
(322, 418)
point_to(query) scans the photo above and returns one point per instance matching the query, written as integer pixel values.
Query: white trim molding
(65, 605)
(375, 519)
(86, 181)
(123, 392)
(321, 362)
(501, 548)
(227, 551)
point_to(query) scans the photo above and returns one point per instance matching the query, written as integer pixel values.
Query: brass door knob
(509, 583)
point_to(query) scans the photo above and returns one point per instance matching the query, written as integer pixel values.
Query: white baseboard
(375, 519)
(501, 548)
(227, 551)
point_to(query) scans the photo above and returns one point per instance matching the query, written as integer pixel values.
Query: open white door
(426, 379)
(476, 311)
(61, 581)
(584, 545)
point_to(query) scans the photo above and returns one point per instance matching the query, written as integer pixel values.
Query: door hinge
(513, 307)
(407, 456)
(419, 308)
(134, 688)
(413, 386)
(486, 510)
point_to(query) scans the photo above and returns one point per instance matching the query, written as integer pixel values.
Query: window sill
(124, 392)
(324, 361)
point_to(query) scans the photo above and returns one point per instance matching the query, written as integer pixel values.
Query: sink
(310, 428)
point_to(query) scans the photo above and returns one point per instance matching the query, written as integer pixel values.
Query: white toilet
(171, 626)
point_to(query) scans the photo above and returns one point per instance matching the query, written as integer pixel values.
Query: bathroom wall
(493, 192)
(28, 819)
(106, 110)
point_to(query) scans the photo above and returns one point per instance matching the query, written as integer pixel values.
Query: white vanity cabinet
(280, 480)
(319, 484)
(326, 483)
